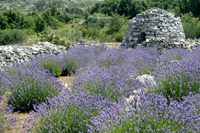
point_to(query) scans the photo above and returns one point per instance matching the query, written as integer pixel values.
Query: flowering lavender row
(114, 90)
(69, 112)
(152, 115)
(30, 86)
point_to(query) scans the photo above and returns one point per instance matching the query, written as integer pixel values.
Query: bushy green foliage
(191, 25)
(11, 19)
(128, 8)
(29, 22)
(115, 23)
(12, 36)
(53, 37)
(3, 21)
(60, 15)
(40, 24)
(104, 29)
(90, 32)
(96, 21)
(73, 35)
(50, 20)
(95, 28)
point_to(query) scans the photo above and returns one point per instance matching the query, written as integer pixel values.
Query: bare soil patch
(66, 79)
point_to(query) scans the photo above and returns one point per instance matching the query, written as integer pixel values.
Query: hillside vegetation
(65, 22)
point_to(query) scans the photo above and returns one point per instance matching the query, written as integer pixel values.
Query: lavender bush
(69, 62)
(79, 57)
(69, 112)
(177, 79)
(193, 99)
(111, 57)
(152, 115)
(51, 63)
(143, 59)
(110, 82)
(31, 87)
(175, 54)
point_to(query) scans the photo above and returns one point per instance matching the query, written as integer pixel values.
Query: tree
(115, 23)
(40, 24)
(14, 18)
(3, 22)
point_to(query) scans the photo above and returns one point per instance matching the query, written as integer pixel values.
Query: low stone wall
(17, 54)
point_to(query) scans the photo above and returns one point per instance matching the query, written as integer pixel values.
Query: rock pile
(156, 28)
(16, 54)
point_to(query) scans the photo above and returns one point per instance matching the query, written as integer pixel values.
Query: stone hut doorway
(142, 37)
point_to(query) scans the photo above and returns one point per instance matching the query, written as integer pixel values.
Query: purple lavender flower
(3, 79)
(6, 118)
(31, 87)
(69, 112)
(110, 82)
(153, 115)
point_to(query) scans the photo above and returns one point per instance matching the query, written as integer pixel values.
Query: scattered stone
(146, 81)
(157, 28)
(17, 54)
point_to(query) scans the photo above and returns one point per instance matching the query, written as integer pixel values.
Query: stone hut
(155, 28)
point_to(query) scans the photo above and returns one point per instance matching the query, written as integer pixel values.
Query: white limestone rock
(146, 82)
(16, 54)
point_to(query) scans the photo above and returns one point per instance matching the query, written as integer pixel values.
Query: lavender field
(114, 90)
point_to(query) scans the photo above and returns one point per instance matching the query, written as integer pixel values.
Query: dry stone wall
(17, 54)
(157, 28)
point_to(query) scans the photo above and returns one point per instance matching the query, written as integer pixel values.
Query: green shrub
(71, 35)
(50, 20)
(96, 21)
(63, 17)
(116, 23)
(40, 24)
(53, 37)
(118, 37)
(3, 21)
(29, 22)
(14, 19)
(90, 32)
(12, 37)
(191, 25)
